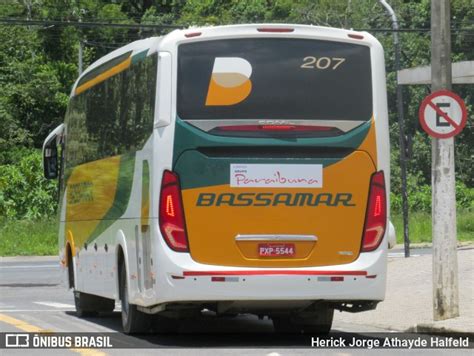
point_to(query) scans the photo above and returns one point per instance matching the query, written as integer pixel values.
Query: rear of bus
(277, 197)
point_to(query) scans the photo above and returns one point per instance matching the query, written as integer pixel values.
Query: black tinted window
(294, 79)
(112, 117)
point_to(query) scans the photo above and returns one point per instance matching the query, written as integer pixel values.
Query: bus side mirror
(50, 153)
(50, 162)
(163, 91)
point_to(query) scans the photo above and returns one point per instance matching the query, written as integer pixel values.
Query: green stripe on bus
(122, 195)
(188, 139)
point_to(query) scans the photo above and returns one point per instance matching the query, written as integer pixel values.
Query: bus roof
(264, 30)
(199, 33)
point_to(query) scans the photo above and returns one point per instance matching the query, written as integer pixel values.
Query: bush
(28, 238)
(24, 192)
(419, 198)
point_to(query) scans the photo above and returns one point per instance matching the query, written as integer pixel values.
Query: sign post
(443, 115)
(445, 264)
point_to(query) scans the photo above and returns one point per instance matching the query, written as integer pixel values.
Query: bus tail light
(192, 34)
(275, 29)
(376, 214)
(172, 222)
(355, 36)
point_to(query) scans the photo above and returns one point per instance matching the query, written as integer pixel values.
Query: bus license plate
(276, 250)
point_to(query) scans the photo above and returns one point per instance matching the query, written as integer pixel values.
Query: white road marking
(31, 310)
(55, 305)
(32, 266)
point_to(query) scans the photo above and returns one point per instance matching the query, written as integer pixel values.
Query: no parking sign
(443, 114)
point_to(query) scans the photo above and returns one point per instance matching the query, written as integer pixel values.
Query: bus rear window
(274, 79)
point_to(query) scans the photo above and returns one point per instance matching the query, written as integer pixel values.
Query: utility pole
(445, 264)
(80, 54)
(401, 128)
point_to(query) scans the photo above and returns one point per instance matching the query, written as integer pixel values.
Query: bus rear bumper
(363, 279)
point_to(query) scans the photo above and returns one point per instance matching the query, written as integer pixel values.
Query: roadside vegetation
(420, 226)
(419, 201)
(29, 237)
(38, 65)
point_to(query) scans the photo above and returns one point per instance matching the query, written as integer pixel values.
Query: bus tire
(319, 323)
(70, 267)
(133, 320)
(88, 305)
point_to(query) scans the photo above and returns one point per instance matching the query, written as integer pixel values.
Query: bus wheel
(70, 268)
(319, 323)
(87, 304)
(90, 305)
(133, 320)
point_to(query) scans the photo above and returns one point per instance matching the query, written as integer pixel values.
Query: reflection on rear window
(275, 79)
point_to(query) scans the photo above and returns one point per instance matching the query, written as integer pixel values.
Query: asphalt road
(32, 292)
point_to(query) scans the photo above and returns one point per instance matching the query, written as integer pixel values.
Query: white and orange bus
(239, 169)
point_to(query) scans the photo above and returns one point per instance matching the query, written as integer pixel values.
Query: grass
(39, 238)
(420, 226)
(29, 238)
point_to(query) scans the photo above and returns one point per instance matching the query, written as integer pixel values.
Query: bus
(232, 169)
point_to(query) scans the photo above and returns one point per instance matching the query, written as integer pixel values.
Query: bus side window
(113, 117)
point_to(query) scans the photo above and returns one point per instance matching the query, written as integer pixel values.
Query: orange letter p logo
(230, 81)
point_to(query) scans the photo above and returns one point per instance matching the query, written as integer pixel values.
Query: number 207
(322, 62)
